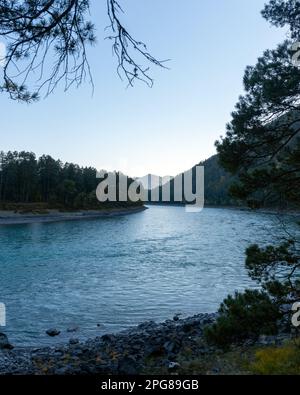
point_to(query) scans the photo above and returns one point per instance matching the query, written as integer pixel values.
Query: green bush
(243, 316)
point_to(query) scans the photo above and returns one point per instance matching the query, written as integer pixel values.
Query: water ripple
(121, 271)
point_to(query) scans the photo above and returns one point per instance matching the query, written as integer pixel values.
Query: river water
(107, 274)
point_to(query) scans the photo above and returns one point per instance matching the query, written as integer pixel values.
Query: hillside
(216, 181)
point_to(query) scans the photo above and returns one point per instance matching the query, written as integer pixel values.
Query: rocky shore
(147, 348)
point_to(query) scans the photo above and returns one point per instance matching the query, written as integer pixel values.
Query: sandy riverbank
(13, 218)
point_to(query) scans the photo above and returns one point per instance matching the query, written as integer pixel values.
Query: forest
(26, 179)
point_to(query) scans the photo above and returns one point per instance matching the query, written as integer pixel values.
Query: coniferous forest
(26, 179)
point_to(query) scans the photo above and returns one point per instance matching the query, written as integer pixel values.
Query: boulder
(52, 332)
(4, 343)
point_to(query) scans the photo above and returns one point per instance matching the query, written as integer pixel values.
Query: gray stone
(52, 332)
(170, 346)
(174, 365)
(4, 343)
(152, 350)
(128, 366)
(108, 338)
(177, 317)
(73, 341)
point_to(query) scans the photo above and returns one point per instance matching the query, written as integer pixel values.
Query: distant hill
(152, 181)
(217, 182)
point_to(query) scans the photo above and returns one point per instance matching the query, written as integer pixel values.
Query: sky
(161, 130)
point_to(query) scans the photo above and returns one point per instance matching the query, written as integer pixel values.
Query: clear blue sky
(163, 130)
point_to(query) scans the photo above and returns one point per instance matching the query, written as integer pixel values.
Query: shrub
(284, 360)
(244, 316)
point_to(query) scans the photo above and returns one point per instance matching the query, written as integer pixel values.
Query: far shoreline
(262, 210)
(8, 218)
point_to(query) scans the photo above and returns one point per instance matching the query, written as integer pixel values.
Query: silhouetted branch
(123, 44)
(46, 45)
